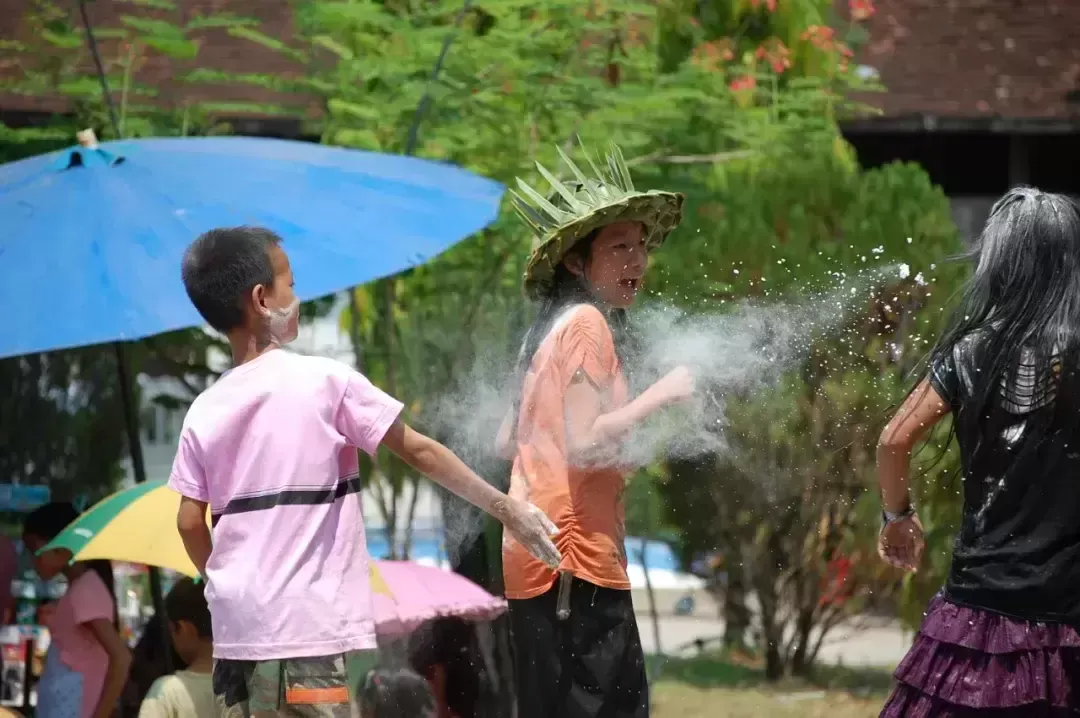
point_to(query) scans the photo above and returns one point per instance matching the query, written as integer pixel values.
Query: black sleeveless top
(1018, 548)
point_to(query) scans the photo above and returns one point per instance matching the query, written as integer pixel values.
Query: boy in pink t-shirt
(270, 449)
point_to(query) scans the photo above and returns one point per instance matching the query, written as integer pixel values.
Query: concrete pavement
(863, 641)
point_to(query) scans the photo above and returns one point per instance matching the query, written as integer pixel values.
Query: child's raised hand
(901, 543)
(676, 386)
(531, 528)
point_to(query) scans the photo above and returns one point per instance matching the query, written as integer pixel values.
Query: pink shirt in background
(87, 599)
(271, 447)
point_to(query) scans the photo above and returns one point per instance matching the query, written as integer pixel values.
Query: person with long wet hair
(1002, 638)
(577, 649)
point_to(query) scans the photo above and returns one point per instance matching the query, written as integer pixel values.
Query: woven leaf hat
(577, 208)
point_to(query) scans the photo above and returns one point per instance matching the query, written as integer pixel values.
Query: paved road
(877, 644)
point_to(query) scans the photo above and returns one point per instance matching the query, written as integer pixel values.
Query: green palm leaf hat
(576, 208)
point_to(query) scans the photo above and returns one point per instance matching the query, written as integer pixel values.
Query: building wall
(970, 213)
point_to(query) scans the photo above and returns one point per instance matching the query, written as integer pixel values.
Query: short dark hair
(48, 521)
(186, 602)
(224, 265)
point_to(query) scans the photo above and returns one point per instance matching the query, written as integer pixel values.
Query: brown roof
(970, 58)
(946, 58)
(217, 50)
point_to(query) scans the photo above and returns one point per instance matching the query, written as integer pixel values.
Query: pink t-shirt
(271, 447)
(87, 599)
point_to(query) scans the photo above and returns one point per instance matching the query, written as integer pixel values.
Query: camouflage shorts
(291, 688)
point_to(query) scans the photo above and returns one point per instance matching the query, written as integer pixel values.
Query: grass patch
(718, 687)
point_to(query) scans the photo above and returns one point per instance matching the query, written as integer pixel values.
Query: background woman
(87, 664)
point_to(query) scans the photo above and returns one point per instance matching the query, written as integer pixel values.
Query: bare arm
(119, 665)
(191, 523)
(442, 466)
(531, 528)
(922, 409)
(587, 430)
(504, 446)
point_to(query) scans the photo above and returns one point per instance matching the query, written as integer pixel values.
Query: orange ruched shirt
(586, 504)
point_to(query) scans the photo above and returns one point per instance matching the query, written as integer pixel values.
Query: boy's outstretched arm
(529, 526)
(191, 523)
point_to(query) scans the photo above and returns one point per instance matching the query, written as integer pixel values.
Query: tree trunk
(765, 585)
(774, 660)
(406, 547)
(392, 471)
(735, 612)
(801, 660)
(653, 613)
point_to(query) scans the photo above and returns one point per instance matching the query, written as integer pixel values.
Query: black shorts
(589, 666)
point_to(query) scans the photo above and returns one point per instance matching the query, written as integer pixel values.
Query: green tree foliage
(793, 220)
(60, 412)
(803, 454)
(494, 87)
(735, 103)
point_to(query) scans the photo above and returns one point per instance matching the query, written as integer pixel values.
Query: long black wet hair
(1020, 311)
(567, 290)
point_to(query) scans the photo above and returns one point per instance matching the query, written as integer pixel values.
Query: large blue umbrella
(91, 238)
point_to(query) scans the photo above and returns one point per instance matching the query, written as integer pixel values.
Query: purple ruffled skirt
(967, 662)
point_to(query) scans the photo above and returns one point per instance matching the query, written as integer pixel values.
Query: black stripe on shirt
(291, 497)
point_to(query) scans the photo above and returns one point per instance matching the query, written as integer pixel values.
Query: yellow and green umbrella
(138, 525)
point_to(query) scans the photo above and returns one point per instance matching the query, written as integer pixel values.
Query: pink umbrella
(413, 594)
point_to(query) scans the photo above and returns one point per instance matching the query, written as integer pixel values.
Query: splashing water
(748, 347)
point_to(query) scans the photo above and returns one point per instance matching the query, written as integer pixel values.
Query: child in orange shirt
(577, 647)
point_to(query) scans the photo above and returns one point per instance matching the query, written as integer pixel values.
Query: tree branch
(715, 158)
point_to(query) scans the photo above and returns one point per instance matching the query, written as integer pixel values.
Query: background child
(1002, 638)
(148, 663)
(188, 693)
(396, 693)
(88, 660)
(447, 654)
(270, 448)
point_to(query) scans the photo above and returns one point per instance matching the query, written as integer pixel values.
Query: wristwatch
(887, 517)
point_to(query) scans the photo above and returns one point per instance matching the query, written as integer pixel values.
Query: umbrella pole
(131, 415)
(91, 41)
(138, 466)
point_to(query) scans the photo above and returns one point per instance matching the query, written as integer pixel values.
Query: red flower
(770, 5)
(820, 36)
(710, 55)
(746, 82)
(775, 53)
(861, 9)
